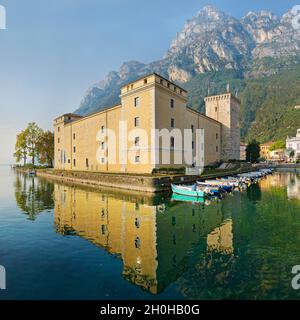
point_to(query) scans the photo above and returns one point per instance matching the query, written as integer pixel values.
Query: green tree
(253, 151)
(21, 149)
(33, 133)
(45, 148)
(280, 144)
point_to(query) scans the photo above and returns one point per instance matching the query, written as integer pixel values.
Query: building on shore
(152, 110)
(265, 150)
(293, 143)
(243, 151)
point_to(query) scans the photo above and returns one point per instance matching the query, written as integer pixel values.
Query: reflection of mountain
(156, 243)
(33, 195)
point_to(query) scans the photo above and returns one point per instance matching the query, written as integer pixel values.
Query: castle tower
(225, 108)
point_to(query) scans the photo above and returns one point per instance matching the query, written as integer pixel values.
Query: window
(74, 149)
(74, 162)
(172, 142)
(137, 159)
(145, 81)
(102, 160)
(58, 129)
(58, 140)
(217, 136)
(136, 101)
(137, 122)
(175, 89)
(192, 128)
(216, 109)
(69, 161)
(136, 141)
(217, 149)
(74, 136)
(168, 85)
(172, 123)
(161, 81)
(102, 145)
(193, 145)
(102, 129)
(172, 103)
(87, 162)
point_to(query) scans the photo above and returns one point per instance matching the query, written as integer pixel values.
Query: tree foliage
(253, 151)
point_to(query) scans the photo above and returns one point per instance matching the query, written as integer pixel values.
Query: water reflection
(153, 240)
(239, 247)
(33, 195)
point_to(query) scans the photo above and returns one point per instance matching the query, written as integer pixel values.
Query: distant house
(277, 155)
(243, 148)
(293, 143)
(265, 150)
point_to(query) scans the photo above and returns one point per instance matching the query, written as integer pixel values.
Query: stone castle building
(151, 102)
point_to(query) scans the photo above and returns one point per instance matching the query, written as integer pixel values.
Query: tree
(21, 149)
(45, 148)
(33, 133)
(253, 151)
(280, 144)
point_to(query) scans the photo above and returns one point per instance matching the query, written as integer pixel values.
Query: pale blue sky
(53, 51)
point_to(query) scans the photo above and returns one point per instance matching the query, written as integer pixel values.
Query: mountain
(212, 49)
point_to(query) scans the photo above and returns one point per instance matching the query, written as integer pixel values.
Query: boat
(192, 191)
(215, 183)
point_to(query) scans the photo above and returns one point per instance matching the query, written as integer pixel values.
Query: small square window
(193, 145)
(58, 140)
(168, 85)
(217, 136)
(74, 162)
(74, 136)
(145, 81)
(216, 109)
(137, 122)
(74, 149)
(161, 81)
(87, 163)
(58, 129)
(102, 160)
(217, 149)
(137, 159)
(136, 101)
(102, 145)
(192, 128)
(102, 129)
(172, 123)
(172, 103)
(137, 141)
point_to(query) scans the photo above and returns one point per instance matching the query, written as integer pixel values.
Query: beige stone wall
(77, 138)
(225, 108)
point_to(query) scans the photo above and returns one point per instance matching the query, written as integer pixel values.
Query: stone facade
(225, 108)
(294, 144)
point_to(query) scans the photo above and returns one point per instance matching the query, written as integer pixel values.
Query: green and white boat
(190, 191)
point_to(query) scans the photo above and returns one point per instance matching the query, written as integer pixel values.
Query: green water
(59, 241)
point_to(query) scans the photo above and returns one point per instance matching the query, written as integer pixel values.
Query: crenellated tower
(225, 108)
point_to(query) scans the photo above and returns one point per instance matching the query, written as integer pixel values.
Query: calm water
(58, 241)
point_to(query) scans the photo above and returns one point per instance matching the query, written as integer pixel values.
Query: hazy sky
(53, 51)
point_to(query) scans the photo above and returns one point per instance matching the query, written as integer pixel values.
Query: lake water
(59, 241)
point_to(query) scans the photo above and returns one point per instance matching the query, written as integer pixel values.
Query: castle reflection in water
(153, 240)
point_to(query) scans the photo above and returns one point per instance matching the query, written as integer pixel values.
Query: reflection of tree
(33, 195)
